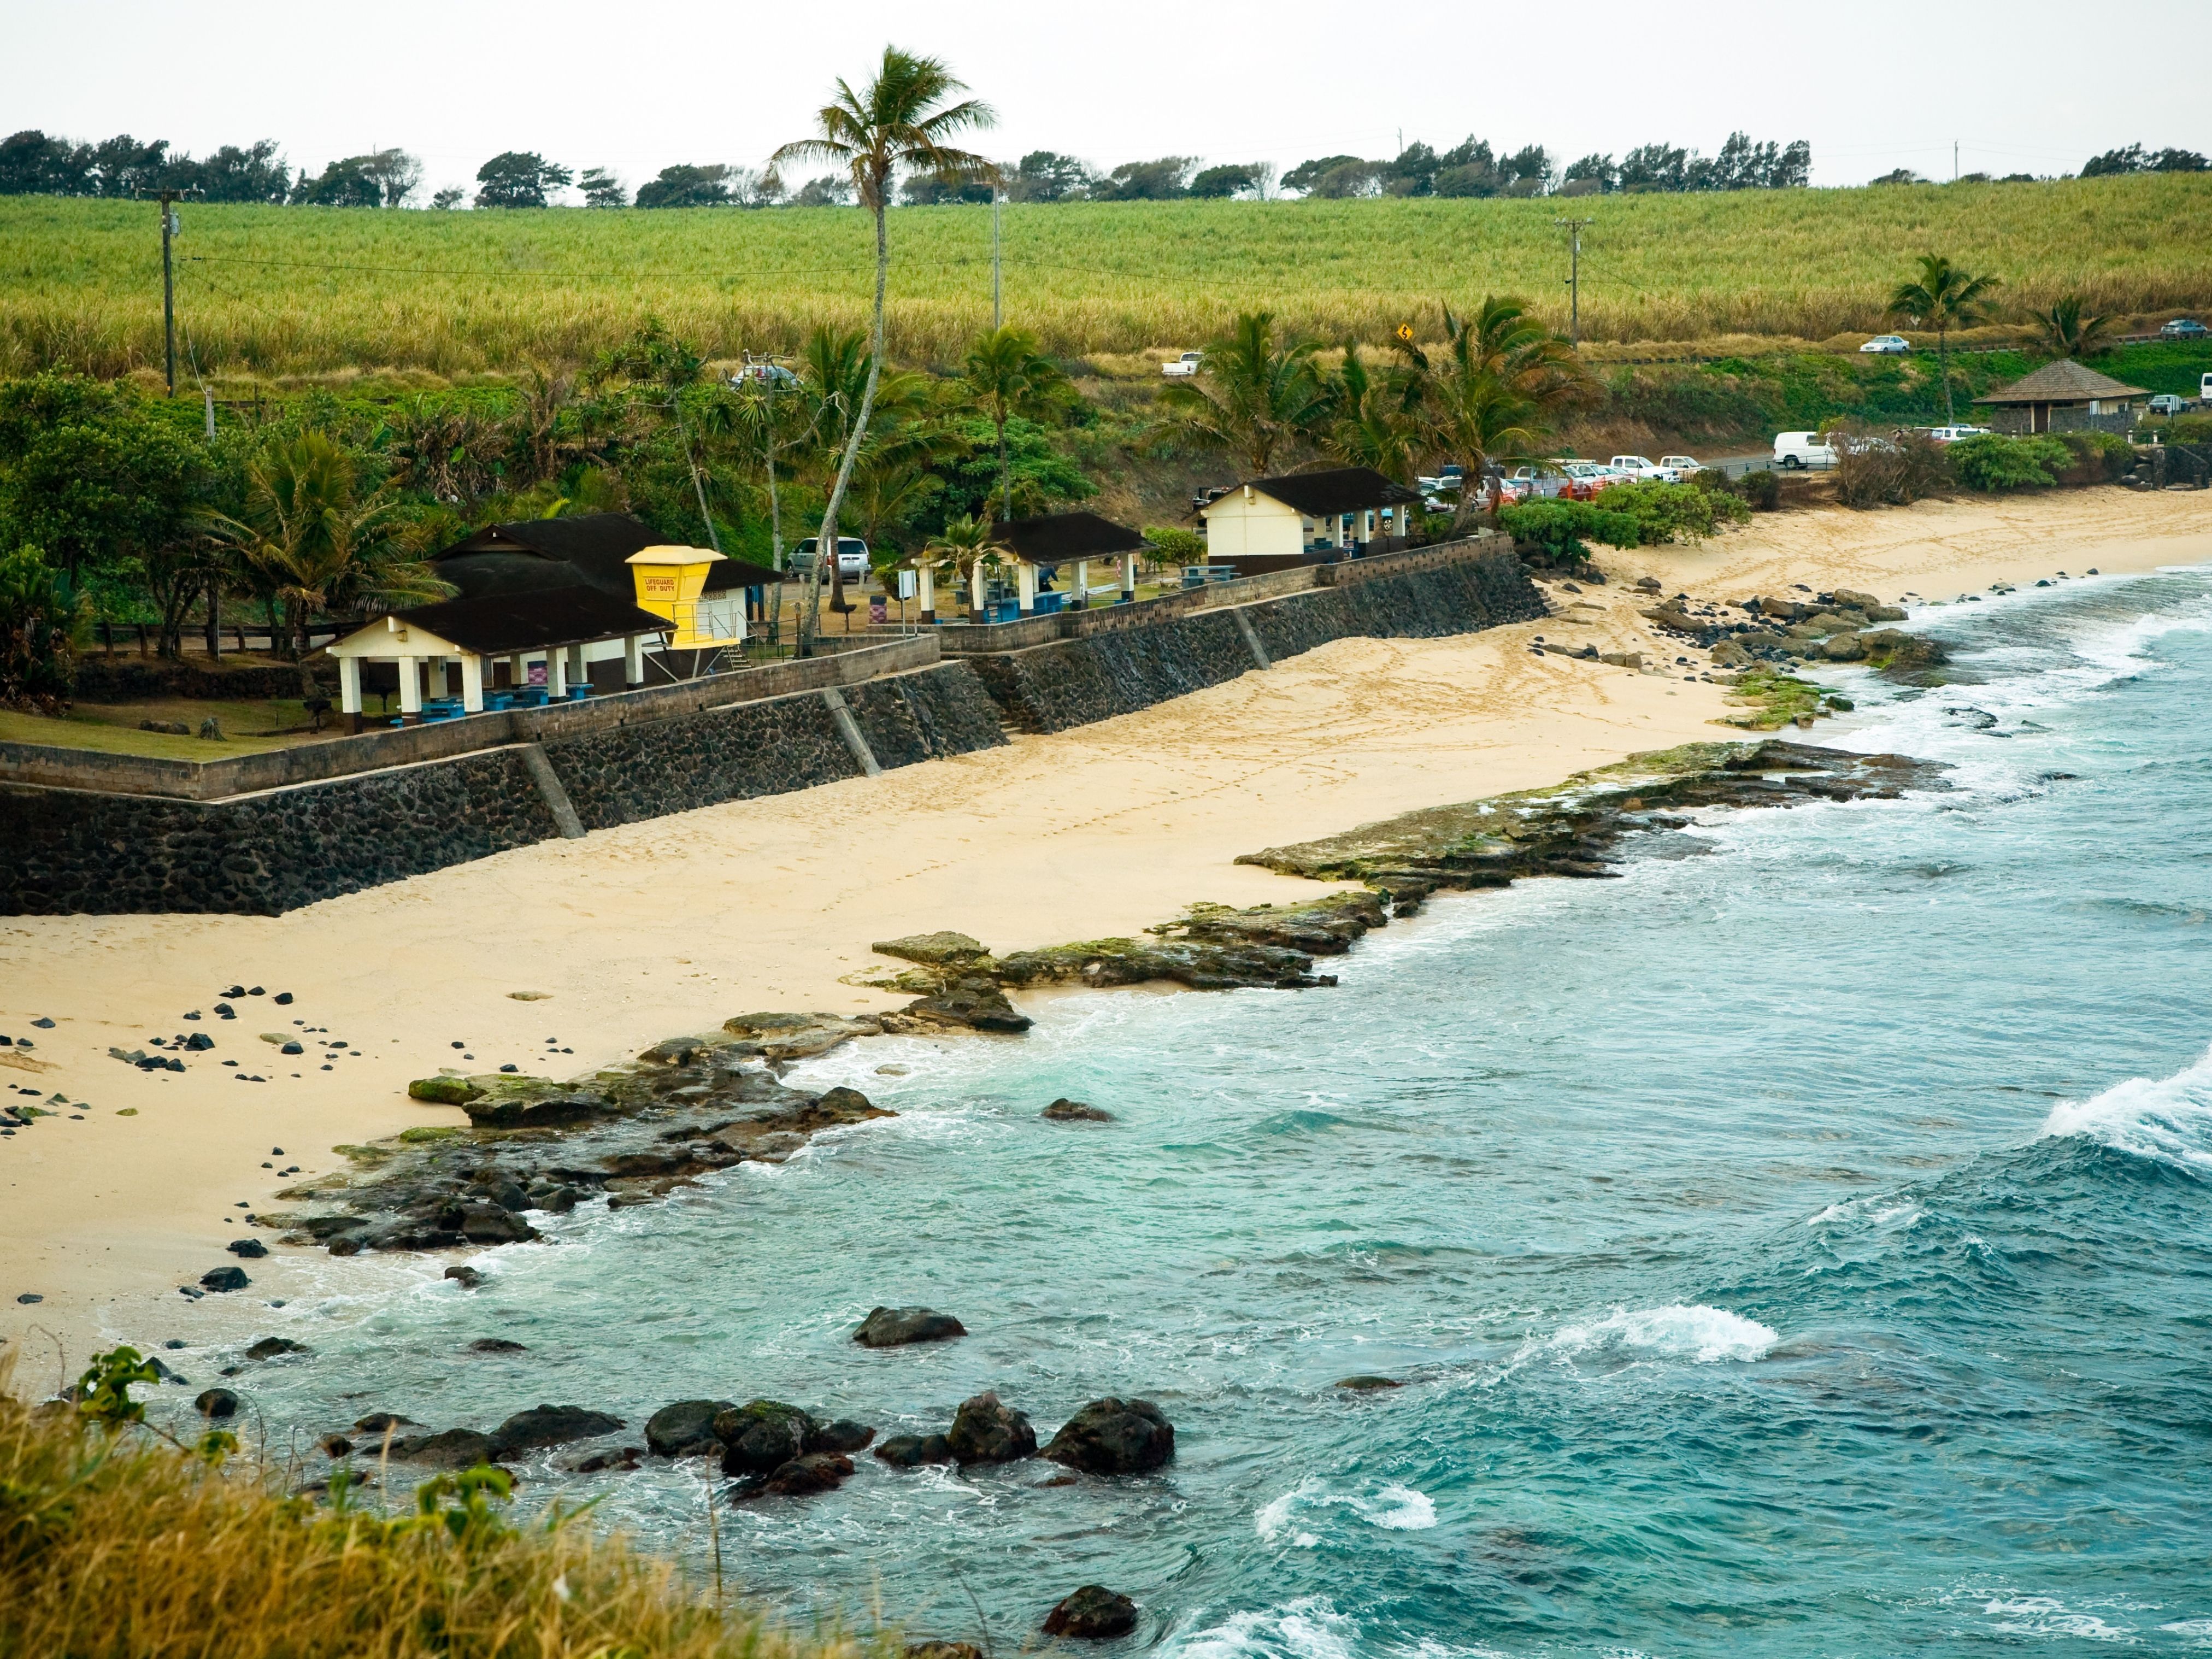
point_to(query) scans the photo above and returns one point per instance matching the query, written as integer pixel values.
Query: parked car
(1889, 345)
(1951, 434)
(1796, 451)
(1527, 484)
(1183, 367)
(852, 557)
(1584, 479)
(2167, 403)
(2184, 328)
(1643, 470)
(1686, 466)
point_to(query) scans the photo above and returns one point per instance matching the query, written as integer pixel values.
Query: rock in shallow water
(216, 1404)
(1065, 1110)
(452, 1448)
(1115, 1437)
(550, 1425)
(1092, 1613)
(685, 1429)
(761, 1436)
(816, 1471)
(985, 1430)
(893, 1327)
(909, 1451)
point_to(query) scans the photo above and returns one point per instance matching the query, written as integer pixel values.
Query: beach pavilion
(492, 632)
(1034, 547)
(2064, 397)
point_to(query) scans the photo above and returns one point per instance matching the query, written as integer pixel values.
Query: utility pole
(1954, 160)
(168, 200)
(998, 293)
(1574, 229)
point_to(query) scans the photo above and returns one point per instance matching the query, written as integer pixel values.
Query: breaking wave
(2167, 1120)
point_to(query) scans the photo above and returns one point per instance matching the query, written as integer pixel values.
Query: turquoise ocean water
(1799, 1246)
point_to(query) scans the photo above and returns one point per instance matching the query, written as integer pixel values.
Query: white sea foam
(1391, 1507)
(2168, 1120)
(2045, 1615)
(1307, 1628)
(1680, 1331)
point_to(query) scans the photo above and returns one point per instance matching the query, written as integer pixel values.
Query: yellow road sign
(1405, 332)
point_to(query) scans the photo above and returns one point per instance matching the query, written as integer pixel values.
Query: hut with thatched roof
(2064, 397)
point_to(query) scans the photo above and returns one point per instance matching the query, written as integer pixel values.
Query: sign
(1405, 332)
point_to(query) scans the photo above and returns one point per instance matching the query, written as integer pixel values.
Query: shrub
(1872, 471)
(41, 628)
(2099, 456)
(1761, 491)
(2188, 429)
(1673, 513)
(1552, 533)
(1173, 545)
(1994, 462)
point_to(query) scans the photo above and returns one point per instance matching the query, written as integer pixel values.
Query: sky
(1872, 85)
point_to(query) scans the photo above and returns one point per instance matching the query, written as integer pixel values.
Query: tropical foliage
(1943, 298)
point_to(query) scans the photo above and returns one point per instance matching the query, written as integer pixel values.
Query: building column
(472, 685)
(633, 660)
(518, 672)
(437, 677)
(350, 690)
(1083, 584)
(975, 592)
(927, 584)
(557, 675)
(410, 690)
(1128, 579)
(579, 674)
(1025, 586)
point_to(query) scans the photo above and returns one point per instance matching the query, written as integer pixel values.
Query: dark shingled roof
(494, 624)
(2062, 382)
(1338, 489)
(1057, 536)
(538, 555)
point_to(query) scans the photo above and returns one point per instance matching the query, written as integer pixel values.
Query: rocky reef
(1577, 828)
(1833, 627)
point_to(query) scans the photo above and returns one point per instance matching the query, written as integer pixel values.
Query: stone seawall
(64, 851)
(1051, 687)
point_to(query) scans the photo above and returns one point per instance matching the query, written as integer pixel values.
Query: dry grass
(119, 1547)
(262, 291)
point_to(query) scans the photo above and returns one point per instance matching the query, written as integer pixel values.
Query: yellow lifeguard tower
(671, 582)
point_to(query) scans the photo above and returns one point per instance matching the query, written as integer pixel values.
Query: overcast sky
(2024, 87)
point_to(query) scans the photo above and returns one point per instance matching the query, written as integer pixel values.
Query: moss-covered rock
(443, 1091)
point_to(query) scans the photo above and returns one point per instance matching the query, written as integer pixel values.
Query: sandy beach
(672, 926)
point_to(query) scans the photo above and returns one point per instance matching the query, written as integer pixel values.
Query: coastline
(679, 923)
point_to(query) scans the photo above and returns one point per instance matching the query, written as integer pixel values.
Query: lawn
(266, 291)
(249, 728)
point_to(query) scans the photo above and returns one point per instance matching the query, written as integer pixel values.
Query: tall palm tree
(1009, 374)
(900, 120)
(1943, 298)
(316, 543)
(1495, 391)
(1254, 394)
(2066, 332)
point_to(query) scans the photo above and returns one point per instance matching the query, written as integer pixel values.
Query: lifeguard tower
(671, 582)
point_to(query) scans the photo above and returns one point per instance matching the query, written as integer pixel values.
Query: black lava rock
(816, 1471)
(1114, 1436)
(199, 1042)
(685, 1429)
(224, 1278)
(1093, 1613)
(291, 1048)
(251, 1248)
(893, 1327)
(496, 1345)
(550, 1425)
(455, 1449)
(1065, 1110)
(269, 1347)
(843, 1435)
(761, 1436)
(466, 1277)
(216, 1404)
(283, 998)
(378, 1422)
(985, 1430)
(907, 1451)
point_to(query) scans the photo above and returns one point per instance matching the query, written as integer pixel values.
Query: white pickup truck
(1183, 367)
(1643, 470)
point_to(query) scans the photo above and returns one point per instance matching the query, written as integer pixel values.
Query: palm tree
(2067, 333)
(316, 542)
(1253, 395)
(1009, 374)
(1371, 418)
(965, 542)
(1943, 298)
(1495, 391)
(900, 120)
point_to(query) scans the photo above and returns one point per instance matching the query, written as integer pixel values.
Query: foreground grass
(269, 290)
(114, 1544)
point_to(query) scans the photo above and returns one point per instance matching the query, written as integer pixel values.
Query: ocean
(1796, 1246)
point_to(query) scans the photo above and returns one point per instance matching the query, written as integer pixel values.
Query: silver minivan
(852, 557)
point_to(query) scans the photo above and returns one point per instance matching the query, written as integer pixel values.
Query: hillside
(278, 291)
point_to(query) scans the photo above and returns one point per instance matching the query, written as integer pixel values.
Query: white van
(2204, 389)
(852, 557)
(1796, 451)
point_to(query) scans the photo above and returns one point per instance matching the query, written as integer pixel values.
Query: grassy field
(297, 291)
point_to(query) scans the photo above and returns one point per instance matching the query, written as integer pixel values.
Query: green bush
(1675, 512)
(1173, 545)
(2099, 456)
(1552, 533)
(1994, 462)
(2188, 429)
(1761, 491)
(41, 629)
